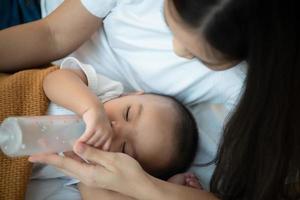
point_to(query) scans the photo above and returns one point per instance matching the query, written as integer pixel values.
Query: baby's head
(157, 130)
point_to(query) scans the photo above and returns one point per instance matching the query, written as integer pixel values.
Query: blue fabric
(13, 12)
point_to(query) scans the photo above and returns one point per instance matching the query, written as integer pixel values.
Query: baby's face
(143, 128)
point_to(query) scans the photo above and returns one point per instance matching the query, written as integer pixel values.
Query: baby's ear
(133, 93)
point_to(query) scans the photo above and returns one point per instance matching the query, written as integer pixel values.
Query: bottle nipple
(10, 136)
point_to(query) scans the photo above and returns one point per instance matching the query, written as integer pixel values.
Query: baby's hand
(187, 179)
(98, 132)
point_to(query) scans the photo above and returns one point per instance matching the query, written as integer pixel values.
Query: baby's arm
(68, 88)
(48, 39)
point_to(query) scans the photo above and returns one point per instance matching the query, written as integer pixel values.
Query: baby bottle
(22, 136)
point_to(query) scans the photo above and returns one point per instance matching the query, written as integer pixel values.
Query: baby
(156, 130)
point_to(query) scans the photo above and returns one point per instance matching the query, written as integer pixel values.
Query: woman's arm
(162, 190)
(47, 39)
(91, 193)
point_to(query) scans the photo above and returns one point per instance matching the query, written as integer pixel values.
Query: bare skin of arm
(90, 193)
(48, 39)
(68, 88)
(162, 190)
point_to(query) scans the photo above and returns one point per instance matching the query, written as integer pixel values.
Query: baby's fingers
(107, 144)
(193, 182)
(86, 136)
(97, 136)
(104, 140)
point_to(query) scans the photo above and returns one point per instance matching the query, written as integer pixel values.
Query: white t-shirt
(47, 182)
(135, 48)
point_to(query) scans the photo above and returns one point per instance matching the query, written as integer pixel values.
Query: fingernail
(80, 148)
(33, 160)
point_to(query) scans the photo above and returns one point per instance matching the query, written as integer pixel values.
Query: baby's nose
(116, 129)
(117, 138)
(114, 125)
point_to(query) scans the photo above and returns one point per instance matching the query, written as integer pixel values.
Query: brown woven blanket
(20, 94)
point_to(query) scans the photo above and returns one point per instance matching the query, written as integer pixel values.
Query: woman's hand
(112, 171)
(120, 173)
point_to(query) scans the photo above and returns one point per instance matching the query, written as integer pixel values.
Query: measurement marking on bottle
(44, 128)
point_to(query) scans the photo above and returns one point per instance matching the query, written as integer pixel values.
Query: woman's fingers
(45, 158)
(69, 173)
(74, 156)
(73, 167)
(92, 176)
(54, 159)
(106, 159)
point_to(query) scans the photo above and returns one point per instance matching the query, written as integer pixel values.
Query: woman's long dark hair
(259, 155)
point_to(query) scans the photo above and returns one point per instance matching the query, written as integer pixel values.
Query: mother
(257, 158)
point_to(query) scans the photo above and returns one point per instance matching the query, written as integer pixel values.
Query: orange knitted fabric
(21, 94)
